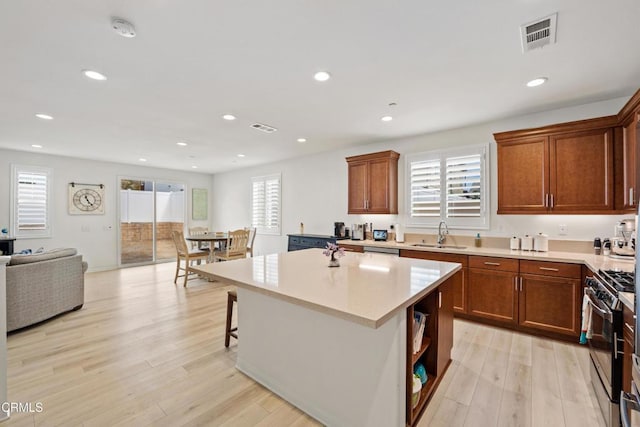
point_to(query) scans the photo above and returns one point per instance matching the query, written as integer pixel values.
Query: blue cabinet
(305, 241)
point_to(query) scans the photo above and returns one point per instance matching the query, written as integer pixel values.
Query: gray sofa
(43, 285)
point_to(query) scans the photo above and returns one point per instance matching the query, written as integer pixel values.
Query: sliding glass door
(149, 211)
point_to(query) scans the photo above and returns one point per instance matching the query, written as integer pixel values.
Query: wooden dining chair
(252, 238)
(236, 246)
(199, 231)
(186, 255)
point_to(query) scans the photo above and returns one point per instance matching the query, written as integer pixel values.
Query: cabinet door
(358, 177)
(445, 325)
(629, 174)
(628, 332)
(549, 303)
(458, 281)
(492, 294)
(378, 199)
(581, 172)
(523, 175)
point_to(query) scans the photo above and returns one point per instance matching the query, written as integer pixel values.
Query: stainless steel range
(606, 343)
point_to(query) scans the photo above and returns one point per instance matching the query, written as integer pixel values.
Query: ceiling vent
(538, 33)
(264, 128)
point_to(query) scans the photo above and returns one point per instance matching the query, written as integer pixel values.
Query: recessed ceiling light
(142, 160)
(44, 116)
(537, 82)
(302, 139)
(229, 117)
(181, 144)
(36, 145)
(194, 167)
(240, 155)
(322, 76)
(386, 118)
(94, 75)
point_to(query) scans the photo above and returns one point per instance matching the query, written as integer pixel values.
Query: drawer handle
(491, 263)
(549, 269)
(628, 326)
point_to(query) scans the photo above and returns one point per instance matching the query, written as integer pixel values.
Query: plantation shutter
(425, 188)
(31, 196)
(464, 186)
(266, 204)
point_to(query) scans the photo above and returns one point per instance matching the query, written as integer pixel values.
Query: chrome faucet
(441, 233)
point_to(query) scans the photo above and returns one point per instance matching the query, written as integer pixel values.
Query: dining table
(211, 237)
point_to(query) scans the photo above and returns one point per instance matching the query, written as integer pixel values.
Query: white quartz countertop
(367, 288)
(594, 262)
(627, 298)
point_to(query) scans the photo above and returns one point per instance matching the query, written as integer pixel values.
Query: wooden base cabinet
(529, 295)
(458, 282)
(492, 288)
(437, 342)
(628, 333)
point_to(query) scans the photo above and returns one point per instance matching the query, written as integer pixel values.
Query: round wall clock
(86, 199)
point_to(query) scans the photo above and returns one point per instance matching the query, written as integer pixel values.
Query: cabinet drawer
(493, 263)
(546, 268)
(351, 248)
(435, 256)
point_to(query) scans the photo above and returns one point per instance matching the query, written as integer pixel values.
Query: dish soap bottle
(477, 242)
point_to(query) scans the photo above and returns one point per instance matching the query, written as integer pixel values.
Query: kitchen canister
(527, 243)
(514, 243)
(541, 243)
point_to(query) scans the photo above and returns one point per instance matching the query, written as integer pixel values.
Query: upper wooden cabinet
(629, 148)
(373, 183)
(560, 169)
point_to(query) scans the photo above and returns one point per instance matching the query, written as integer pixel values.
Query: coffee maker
(623, 245)
(357, 231)
(338, 229)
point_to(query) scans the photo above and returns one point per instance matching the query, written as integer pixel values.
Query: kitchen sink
(430, 245)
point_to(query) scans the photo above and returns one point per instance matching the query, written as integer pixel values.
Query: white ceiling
(446, 65)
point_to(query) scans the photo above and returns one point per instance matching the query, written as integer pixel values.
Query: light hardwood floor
(145, 352)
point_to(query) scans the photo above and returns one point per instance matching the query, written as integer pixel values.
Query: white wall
(314, 188)
(95, 236)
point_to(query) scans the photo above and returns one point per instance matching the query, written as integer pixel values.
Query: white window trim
(273, 231)
(30, 234)
(482, 223)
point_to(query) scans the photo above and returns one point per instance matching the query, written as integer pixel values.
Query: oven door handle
(627, 401)
(606, 314)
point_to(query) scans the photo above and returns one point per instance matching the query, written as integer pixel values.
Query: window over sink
(448, 185)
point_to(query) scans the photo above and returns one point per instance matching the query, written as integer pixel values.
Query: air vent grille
(538, 33)
(264, 128)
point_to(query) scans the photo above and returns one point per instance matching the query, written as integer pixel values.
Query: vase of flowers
(334, 252)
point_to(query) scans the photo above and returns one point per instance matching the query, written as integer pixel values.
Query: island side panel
(340, 372)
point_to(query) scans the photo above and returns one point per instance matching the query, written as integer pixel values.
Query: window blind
(425, 188)
(266, 204)
(448, 185)
(464, 186)
(31, 201)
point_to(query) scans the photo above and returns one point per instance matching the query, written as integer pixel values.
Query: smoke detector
(264, 128)
(123, 28)
(538, 33)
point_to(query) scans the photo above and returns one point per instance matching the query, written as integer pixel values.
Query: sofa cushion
(44, 256)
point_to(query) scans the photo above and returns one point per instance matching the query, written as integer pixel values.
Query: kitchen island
(334, 341)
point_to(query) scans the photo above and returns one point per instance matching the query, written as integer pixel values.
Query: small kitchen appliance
(357, 231)
(380, 235)
(623, 244)
(399, 233)
(338, 229)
